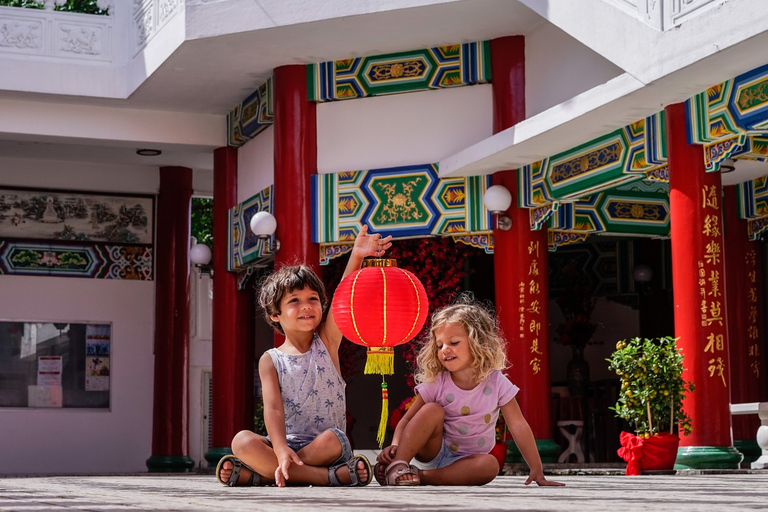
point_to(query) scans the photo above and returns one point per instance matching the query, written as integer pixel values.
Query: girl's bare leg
(422, 437)
(472, 470)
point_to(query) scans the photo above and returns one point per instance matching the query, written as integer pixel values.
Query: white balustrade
(69, 35)
(664, 14)
(761, 409)
(49, 33)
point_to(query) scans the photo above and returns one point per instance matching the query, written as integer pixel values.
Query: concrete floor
(697, 491)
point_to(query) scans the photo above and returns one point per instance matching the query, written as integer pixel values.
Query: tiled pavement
(696, 491)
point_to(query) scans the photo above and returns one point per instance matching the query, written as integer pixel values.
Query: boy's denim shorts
(298, 441)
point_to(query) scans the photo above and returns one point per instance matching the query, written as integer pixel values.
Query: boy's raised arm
(365, 245)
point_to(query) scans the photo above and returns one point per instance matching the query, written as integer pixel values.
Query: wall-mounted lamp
(200, 256)
(643, 275)
(497, 199)
(263, 225)
(727, 165)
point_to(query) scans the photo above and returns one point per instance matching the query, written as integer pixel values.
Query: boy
(304, 402)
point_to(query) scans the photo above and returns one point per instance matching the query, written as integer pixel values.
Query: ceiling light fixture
(148, 152)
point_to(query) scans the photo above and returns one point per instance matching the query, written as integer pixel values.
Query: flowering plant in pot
(651, 400)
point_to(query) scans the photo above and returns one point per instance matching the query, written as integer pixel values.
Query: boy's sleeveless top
(312, 390)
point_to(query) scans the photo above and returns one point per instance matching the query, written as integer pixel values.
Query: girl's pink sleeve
(426, 391)
(507, 390)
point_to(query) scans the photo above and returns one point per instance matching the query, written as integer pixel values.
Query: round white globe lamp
(497, 199)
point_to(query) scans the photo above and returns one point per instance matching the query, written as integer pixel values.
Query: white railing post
(761, 409)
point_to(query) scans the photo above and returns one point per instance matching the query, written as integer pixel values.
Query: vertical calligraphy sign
(754, 353)
(530, 305)
(743, 284)
(710, 271)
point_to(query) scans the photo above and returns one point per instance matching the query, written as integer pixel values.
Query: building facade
(580, 111)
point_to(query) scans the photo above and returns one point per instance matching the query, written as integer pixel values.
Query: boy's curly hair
(486, 343)
(285, 280)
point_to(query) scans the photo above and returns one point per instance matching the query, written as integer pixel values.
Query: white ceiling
(211, 75)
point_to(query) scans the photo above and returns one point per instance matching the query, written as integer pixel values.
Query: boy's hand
(371, 245)
(284, 460)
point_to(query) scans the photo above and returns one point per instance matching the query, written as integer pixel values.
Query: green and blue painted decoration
(245, 249)
(416, 70)
(410, 201)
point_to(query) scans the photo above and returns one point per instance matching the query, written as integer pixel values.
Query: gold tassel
(384, 413)
(380, 360)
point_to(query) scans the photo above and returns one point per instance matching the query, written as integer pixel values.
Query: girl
(451, 426)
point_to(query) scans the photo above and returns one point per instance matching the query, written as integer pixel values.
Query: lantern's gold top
(380, 262)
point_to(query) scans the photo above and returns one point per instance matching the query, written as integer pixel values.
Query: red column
(295, 130)
(699, 297)
(295, 161)
(520, 256)
(744, 290)
(170, 418)
(232, 322)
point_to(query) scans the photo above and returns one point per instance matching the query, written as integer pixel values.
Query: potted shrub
(651, 400)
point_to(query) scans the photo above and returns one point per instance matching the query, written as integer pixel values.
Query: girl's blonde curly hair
(486, 343)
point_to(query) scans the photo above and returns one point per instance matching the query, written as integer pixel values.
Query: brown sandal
(237, 465)
(400, 468)
(380, 473)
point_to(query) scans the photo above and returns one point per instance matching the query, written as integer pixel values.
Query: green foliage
(652, 385)
(202, 220)
(80, 6)
(258, 418)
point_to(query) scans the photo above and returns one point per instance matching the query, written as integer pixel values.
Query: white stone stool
(574, 440)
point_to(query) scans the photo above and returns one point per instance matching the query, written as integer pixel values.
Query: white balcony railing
(63, 35)
(665, 14)
(67, 35)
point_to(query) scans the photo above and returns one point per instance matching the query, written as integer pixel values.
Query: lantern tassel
(380, 360)
(384, 413)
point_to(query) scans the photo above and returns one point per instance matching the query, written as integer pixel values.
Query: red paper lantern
(380, 306)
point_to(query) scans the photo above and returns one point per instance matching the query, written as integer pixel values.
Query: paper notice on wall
(97, 373)
(44, 396)
(49, 371)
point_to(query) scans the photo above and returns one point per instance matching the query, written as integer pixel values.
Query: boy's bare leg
(317, 456)
(472, 470)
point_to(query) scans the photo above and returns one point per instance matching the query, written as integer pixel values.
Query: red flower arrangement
(439, 264)
(398, 413)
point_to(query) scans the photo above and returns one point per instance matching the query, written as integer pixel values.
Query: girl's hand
(371, 245)
(284, 460)
(387, 455)
(541, 481)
